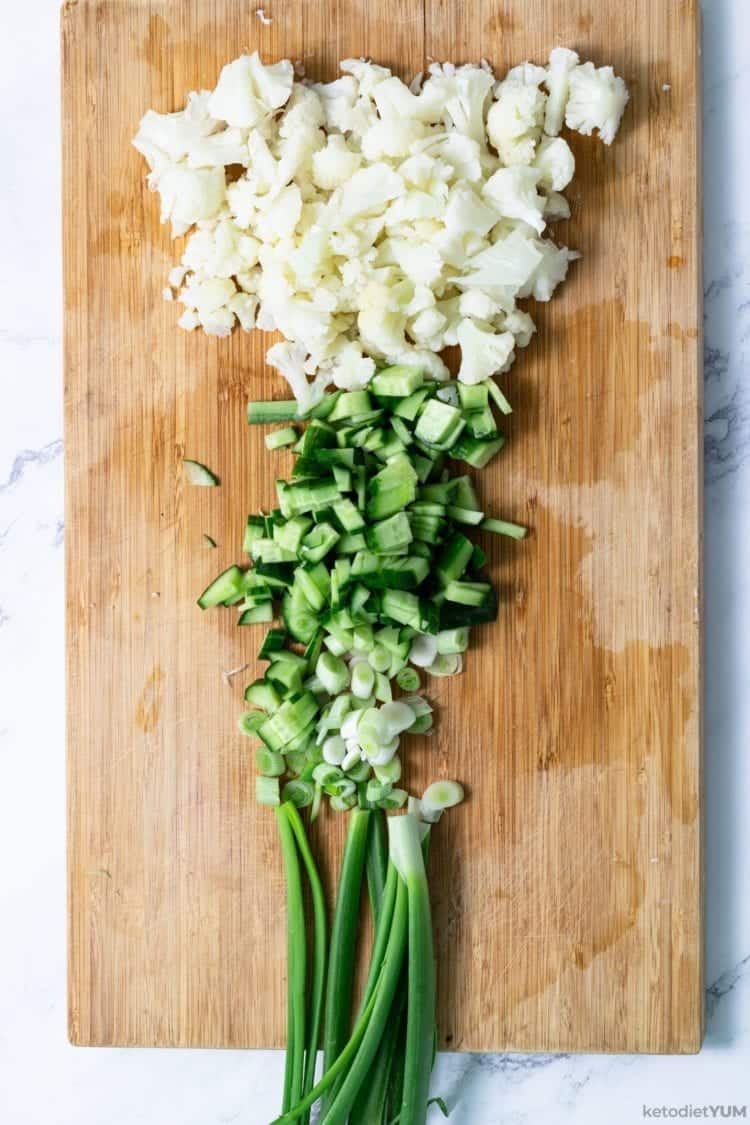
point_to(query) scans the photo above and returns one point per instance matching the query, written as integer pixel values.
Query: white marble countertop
(44, 1081)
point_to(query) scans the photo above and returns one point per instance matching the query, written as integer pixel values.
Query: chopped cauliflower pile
(369, 221)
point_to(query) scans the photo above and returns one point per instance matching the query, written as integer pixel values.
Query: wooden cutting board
(567, 891)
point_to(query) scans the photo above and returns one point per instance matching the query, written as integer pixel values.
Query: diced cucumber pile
(368, 563)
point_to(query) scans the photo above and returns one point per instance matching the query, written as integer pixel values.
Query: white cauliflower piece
(368, 75)
(227, 147)
(466, 213)
(304, 110)
(461, 154)
(278, 215)
(368, 191)
(207, 296)
(416, 205)
(513, 192)
(483, 352)
(419, 261)
(514, 122)
(597, 101)
(220, 249)
(165, 138)
(426, 329)
(556, 207)
(349, 368)
(429, 361)
(561, 63)
(466, 105)
(391, 139)
(520, 324)
(219, 322)
(189, 195)
(263, 171)
(550, 271)
(247, 91)
(503, 269)
(395, 102)
(338, 100)
(555, 163)
(242, 200)
(289, 360)
(526, 74)
(478, 305)
(425, 172)
(335, 164)
(244, 306)
(381, 326)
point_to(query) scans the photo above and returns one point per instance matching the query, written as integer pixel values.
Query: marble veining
(43, 1081)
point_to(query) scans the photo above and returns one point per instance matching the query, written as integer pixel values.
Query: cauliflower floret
(227, 147)
(483, 352)
(247, 91)
(550, 271)
(289, 360)
(263, 172)
(520, 324)
(476, 304)
(555, 163)
(419, 261)
(597, 101)
(337, 99)
(513, 192)
(190, 194)
(220, 249)
(220, 322)
(368, 190)
(561, 63)
(367, 74)
(381, 325)
(207, 296)
(335, 164)
(461, 154)
(429, 361)
(466, 105)
(427, 328)
(514, 122)
(279, 215)
(504, 268)
(395, 101)
(304, 110)
(349, 368)
(244, 306)
(466, 213)
(556, 207)
(242, 200)
(526, 74)
(391, 139)
(164, 138)
(414, 206)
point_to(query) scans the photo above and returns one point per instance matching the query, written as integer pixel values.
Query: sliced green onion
(390, 772)
(196, 473)
(267, 791)
(269, 763)
(363, 680)
(299, 793)
(333, 673)
(504, 527)
(334, 750)
(279, 438)
(408, 679)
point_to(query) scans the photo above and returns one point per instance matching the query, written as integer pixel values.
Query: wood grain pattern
(567, 892)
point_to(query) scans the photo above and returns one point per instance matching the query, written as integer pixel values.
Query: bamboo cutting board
(567, 890)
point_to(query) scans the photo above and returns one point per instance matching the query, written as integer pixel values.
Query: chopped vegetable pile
(374, 221)
(373, 224)
(369, 560)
